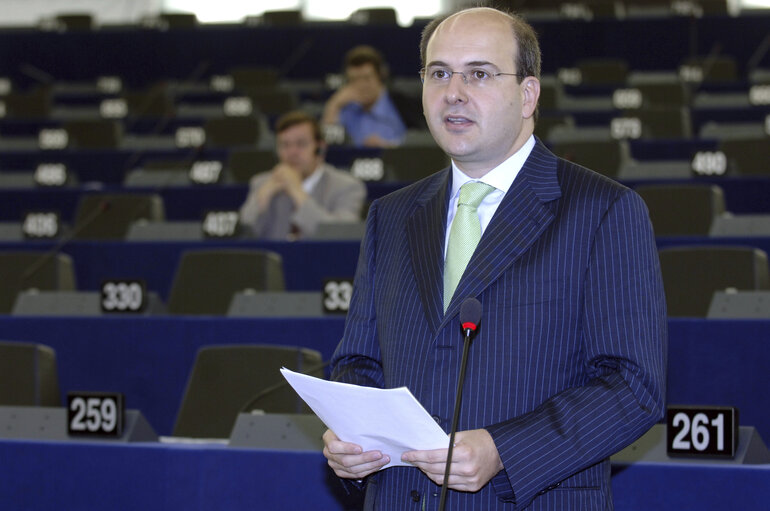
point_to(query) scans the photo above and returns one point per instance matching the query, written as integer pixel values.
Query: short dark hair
(364, 54)
(296, 117)
(528, 58)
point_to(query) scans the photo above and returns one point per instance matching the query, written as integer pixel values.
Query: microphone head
(470, 314)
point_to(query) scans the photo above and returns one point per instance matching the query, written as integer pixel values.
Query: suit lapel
(523, 215)
(425, 231)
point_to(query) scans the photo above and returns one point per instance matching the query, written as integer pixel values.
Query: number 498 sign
(702, 431)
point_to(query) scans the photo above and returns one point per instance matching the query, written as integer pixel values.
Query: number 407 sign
(702, 431)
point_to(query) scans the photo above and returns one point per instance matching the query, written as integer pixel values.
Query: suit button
(415, 495)
(437, 419)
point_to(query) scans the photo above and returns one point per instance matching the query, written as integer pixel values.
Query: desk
(306, 263)
(149, 359)
(38, 475)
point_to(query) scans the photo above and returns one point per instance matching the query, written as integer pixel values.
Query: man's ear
(530, 89)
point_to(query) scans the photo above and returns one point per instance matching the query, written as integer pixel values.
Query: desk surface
(715, 362)
(89, 476)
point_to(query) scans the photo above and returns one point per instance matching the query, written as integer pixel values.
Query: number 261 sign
(708, 431)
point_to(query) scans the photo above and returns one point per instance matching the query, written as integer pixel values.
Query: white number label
(709, 431)
(368, 169)
(691, 74)
(240, 106)
(109, 84)
(222, 83)
(709, 163)
(759, 95)
(41, 225)
(190, 136)
(576, 11)
(220, 224)
(570, 76)
(627, 99)
(337, 294)
(53, 138)
(334, 134)
(91, 413)
(114, 108)
(50, 174)
(626, 127)
(123, 296)
(206, 172)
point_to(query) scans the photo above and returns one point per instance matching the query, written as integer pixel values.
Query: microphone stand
(456, 416)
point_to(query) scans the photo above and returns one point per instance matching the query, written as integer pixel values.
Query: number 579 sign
(702, 431)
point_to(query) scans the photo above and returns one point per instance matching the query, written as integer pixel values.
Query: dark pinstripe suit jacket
(568, 366)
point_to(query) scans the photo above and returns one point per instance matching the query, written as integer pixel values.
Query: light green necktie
(464, 235)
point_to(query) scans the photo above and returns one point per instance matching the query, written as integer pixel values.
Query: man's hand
(291, 182)
(348, 460)
(475, 461)
(345, 95)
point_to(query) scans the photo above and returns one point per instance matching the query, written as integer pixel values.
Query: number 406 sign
(702, 431)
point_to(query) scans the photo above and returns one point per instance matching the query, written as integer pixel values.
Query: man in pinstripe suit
(568, 366)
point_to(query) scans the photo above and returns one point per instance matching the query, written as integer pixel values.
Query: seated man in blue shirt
(363, 106)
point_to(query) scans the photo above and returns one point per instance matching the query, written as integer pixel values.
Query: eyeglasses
(440, 76)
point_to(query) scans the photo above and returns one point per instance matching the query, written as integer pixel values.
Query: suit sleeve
(249, 211)
(624, 333)
(343, 205)
(357, 357)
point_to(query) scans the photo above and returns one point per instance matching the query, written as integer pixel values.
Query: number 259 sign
(702, 431)
(95, 414)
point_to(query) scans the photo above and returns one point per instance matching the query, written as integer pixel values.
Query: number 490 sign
(702, 431)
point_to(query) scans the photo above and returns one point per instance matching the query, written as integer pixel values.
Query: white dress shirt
(500, 177)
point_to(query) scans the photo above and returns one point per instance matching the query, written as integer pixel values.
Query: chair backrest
(412, 163)
(683, 210)
(108, 216)
(232, 131)
(94, 134)
(20, 271)
(28, 375)
(206, 280)
(243, 164)
(748, 156)
(603, 71)
(692, 274)
(339, 231)
(224, 379)
(603, 156)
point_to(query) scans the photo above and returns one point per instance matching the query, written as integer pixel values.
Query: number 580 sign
(702, 431)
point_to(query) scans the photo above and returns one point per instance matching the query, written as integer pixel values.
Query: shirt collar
(312, 180)
(500, 177)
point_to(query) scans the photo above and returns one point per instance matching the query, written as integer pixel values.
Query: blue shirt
(382, 119)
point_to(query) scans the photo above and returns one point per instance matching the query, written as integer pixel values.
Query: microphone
(470, 316)
(98, 211)
(249, 406)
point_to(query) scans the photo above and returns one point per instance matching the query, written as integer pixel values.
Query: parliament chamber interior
(127, 149)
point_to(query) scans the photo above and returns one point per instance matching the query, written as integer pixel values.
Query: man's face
(298, 148)
(480, 125)
(365, 81)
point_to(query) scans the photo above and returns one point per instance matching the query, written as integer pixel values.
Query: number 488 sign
(702, 431)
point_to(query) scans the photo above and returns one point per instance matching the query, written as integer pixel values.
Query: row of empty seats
(224, 381)
(693, 209)
(251, 283)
